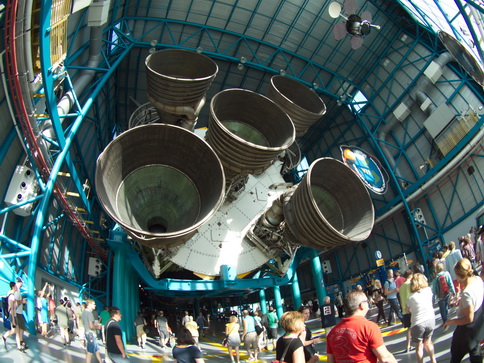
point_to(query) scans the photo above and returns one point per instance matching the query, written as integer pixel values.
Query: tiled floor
(51, 350)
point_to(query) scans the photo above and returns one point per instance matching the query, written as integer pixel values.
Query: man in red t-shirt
(355, 338)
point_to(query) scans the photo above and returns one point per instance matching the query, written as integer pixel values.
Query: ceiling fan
(358, 26)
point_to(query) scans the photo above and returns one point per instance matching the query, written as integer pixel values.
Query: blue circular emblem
(367, 167)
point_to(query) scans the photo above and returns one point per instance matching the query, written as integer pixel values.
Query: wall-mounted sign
(367, 167)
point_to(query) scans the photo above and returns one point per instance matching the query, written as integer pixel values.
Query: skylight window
(359, 101)
(302, 168)
(114, 38)
(445, 15)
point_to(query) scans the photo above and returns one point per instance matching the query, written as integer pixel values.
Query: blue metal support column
(61, 157)
(278, 301)
(225, 51)
(296, 292)
(134, 301)
(263, 301)
(317, 276)
(125, 284)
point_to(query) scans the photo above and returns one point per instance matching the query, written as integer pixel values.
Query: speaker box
(23, 186)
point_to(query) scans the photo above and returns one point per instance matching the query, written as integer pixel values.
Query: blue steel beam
(190, 287)
(45, 203)
(444, 161)
(254, 63)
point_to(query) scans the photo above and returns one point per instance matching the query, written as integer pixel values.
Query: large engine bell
(303, 105)
(247, 131)
(330, 207)
(177, 83)
(160, 183)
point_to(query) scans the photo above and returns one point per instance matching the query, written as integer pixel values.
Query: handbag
(258, 328)
(284, 353)
(225, 342)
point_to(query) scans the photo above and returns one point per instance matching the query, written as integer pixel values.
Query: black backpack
(6, 313)
(265, 321)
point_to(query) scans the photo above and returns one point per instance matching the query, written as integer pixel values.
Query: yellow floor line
(243, 356)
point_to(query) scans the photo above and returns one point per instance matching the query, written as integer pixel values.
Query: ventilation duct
(402, 111)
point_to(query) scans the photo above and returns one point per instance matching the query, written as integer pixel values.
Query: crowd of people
(450, 280)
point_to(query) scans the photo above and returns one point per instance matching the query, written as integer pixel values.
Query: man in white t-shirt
(90, 326)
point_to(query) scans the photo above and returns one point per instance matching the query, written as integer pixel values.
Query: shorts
(164, 334)
(423, 331)
(272, 333)
(233, 340)
(406, 322)
(92, 346)
(21, 321)
(140, 330)
(251, 339)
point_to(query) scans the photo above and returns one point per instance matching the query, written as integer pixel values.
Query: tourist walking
(114, 337)
(249, 336)
(185, 350)
(289, 347)
(379, 300)
(470, 322)
(310, 354)
(139, 323)
(391, 291)
(161, 324)
(91, 326)
(233, 338)
(420, 305)
(443, 289)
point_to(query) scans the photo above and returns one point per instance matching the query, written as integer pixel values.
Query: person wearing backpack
(10, 313)
(454, 256)
(249, 336)
(443, 289)
(391, 290)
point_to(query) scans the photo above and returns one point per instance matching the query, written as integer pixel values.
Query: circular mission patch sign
(367, 167)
